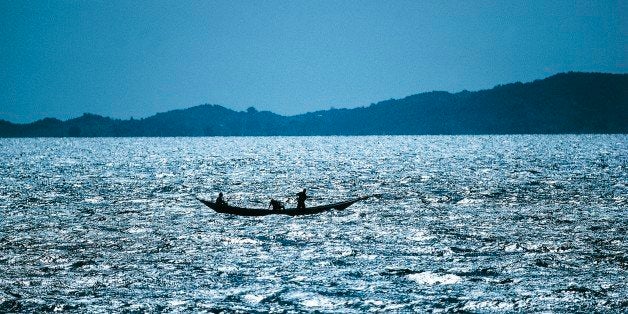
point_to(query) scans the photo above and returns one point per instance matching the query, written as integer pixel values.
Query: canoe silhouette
(242, 211)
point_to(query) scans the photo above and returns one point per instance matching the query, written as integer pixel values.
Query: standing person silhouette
(301, 197)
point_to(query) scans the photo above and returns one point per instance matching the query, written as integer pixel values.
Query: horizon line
(308, 112)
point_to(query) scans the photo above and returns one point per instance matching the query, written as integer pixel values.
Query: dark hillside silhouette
(563, 103)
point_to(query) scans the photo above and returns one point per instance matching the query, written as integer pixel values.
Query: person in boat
(276, 205)
(301, 197)
(220, 201)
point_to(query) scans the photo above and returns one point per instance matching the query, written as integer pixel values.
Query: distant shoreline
(314, 136)
(566, 103)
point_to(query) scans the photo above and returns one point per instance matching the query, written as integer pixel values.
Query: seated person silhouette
(220, 201)
(276, 205)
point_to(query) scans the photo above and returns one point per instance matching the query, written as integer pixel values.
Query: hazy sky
(136, 58)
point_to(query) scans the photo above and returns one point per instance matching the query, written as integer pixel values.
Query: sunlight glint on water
(478, 223)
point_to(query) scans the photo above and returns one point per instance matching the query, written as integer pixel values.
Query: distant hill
(564, 103)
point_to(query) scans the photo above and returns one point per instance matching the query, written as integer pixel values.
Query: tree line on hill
(564, 103)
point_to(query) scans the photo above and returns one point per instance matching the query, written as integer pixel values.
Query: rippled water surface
(477, 223)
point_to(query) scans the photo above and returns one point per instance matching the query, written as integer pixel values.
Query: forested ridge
(571, 102)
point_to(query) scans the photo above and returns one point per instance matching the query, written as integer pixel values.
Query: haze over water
(477, 223)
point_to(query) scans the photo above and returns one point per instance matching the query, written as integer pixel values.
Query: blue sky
(136, 58)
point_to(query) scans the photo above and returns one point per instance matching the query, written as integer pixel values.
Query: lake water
(457, 223)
